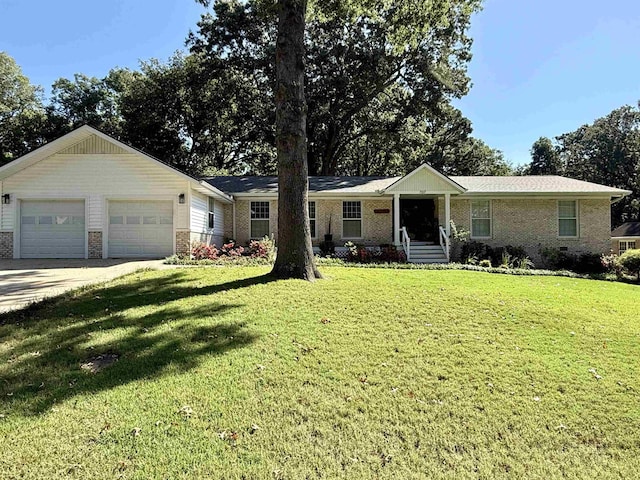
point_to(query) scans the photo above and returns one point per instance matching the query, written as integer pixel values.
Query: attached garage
(52, 229)
(140, 229)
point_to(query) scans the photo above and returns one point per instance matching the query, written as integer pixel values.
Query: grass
(371, 373)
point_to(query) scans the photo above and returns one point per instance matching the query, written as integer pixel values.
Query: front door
(419, 218)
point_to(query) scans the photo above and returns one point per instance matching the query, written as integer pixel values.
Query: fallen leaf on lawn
(260, 367)
(136, 431)
(325, 321)
(254, 428)
(536, 399)
(187, 411)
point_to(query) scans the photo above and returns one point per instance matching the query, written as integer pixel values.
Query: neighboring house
(625, 237)
(87, 195)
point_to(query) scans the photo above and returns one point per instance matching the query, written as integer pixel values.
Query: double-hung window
(568, 218)
(627, 245)
(312, 219)
(352, 219)
(259, 219)
(211, 217)
(481, 219)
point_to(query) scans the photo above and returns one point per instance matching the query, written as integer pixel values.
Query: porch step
(427, 254)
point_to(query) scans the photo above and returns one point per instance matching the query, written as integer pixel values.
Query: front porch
(422, 214)
(421, 226)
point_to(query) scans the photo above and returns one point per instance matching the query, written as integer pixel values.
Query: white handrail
(406, 242)
(444, 242)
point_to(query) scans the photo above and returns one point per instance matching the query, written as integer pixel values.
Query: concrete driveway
(25, 281)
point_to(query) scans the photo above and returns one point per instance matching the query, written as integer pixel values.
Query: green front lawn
(371, 373)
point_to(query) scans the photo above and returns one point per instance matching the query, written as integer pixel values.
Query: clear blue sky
(540, 67)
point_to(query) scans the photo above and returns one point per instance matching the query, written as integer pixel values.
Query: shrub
(486, 263)
(202, 251)
(459, 237)
(384, 254)
(610, 264)
(589, 263)
(265, 248)
(231, 249)
(630, 261)
(327, 248)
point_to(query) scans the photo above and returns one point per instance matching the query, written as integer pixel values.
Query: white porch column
(447, 213)
(396, 219)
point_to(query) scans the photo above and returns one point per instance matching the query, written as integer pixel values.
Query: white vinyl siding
(259, 219)
(568, 218)
(481, 219)
(52, 229)
(352, 219)
(96, 178)
(627, 245)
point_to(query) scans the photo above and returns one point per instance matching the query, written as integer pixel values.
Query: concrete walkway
(25, 281)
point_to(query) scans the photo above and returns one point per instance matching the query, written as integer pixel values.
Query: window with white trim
(312, 218)
(627, 245)
(352, 219)
(568, 218)
(481, 219)
(211, 217)
(259, 219)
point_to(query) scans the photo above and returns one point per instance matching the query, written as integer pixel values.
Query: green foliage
(21, 111)
(379, 80)
(608, 152)
(630, 261)
(545, 158)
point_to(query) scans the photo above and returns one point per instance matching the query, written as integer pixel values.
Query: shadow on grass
(48, 342)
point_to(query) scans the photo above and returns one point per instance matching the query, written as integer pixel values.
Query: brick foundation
(183, 243)
(6, 244)
(95, 244)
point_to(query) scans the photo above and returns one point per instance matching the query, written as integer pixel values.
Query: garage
(52, 229)
(140, 229)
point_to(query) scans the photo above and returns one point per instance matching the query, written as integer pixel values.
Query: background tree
(608, 152)
(545, 158)
(21, 112)
(295, 257)
(374, 69)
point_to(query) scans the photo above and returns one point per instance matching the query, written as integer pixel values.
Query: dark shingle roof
(539, 184)
(269, 185)
(629, 229)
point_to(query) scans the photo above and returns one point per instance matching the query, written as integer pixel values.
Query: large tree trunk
(295, 255)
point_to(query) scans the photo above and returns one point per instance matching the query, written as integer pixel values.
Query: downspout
(233, 218)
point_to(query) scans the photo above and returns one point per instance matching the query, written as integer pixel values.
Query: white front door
(52, 229)
(142, 229)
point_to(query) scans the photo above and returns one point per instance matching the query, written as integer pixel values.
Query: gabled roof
(629, 229)
(425, 178)
(66, 142)
(535, 185)
(268, 185)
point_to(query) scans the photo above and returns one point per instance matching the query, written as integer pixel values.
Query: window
(568, 218)
(259, 219)
(627, 245)
(149, 220)
(63, 220)
(117, 220)
(312, 218)
(211, 215)
(45, 220)
(352, 219)
(133, 220)
(481, 218)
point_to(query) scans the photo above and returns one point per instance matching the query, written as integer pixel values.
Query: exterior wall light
(6, 199)
(181, 198)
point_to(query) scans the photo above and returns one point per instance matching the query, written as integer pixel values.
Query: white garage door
(140, 229)
(52, 229)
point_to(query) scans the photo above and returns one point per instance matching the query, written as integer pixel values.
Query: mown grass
(225, 373)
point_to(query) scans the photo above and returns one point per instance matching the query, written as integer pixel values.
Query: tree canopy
(380, 78)
(606, 151)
